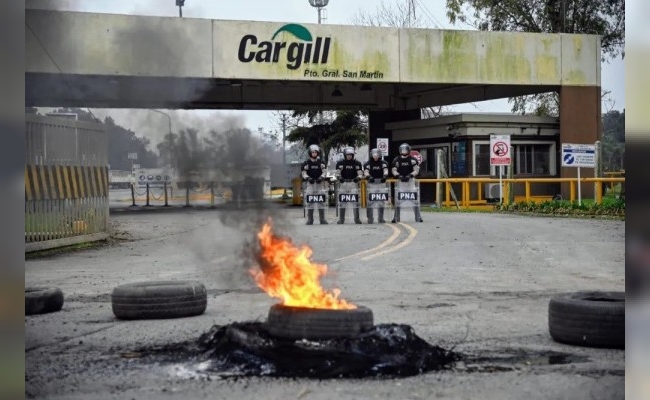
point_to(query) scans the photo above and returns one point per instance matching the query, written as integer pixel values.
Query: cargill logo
(303, 49)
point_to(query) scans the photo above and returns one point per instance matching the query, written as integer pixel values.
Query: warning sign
(500, 150)
(382, 146)
(416, 154)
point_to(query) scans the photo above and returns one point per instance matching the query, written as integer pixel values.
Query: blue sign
(578, 155)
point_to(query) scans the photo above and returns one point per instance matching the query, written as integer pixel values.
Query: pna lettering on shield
(315, 198)
(407, 195)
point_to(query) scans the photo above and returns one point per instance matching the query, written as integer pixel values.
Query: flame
(287, 273)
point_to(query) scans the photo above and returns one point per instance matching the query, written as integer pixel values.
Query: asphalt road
(480, 282)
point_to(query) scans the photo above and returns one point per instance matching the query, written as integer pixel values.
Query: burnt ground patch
(247, 349)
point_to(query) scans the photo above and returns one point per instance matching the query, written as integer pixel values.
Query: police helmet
(404, 149)
(349, 151)
(375, 153)
(314, 147)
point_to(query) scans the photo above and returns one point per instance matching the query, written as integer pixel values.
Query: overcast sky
(337, 12)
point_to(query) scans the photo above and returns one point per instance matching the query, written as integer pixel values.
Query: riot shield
(377, 195)
(315, 195)
(347, 196)
(407, 194)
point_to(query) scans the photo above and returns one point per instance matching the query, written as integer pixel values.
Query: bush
(614, 207)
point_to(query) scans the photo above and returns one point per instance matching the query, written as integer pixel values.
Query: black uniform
(349, 170)
(406, 168)
(312, 172)
(312, 169)
(375, 172)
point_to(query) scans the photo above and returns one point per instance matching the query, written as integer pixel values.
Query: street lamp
(319, 4)
(180, 4)
(284, 154)
(169, 120)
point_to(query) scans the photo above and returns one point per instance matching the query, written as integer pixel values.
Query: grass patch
(610, 207)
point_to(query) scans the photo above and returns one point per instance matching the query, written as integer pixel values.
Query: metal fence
(66, 182)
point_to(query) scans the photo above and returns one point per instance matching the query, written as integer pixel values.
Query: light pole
(169, 120)
(284, 154)
(319, 4)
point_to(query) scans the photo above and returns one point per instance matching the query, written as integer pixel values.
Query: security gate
(66, 182)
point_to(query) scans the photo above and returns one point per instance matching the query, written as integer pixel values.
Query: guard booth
(66, 182)
(464, 144)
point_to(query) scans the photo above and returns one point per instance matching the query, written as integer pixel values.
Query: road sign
(500, 150)
(417, 155)
(155, 177)
(132, 156)
(578, 155)
(382, 146)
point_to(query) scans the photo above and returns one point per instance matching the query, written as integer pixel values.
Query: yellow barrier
(466, 201)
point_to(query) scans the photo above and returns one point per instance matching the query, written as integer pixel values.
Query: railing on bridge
(66, 182)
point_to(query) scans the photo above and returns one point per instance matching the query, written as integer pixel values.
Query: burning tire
(159, 299)
(40, 300)
(592, 319)
(314, 323)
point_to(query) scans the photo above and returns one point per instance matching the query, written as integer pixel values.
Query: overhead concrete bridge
(101, 60)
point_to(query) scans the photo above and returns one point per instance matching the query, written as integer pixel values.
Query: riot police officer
(312, 173)
(406, 168)
(376, 171)
(349, 170)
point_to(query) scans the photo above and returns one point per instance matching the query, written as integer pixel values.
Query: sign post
(500, 155)
(382, 146)
(578, 156)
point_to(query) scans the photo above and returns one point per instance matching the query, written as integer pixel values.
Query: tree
(605, 18)
(613, 140)
(349, 128)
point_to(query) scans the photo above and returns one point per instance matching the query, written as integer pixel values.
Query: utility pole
(284, 154)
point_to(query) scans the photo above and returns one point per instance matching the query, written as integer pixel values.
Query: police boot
(341, 216)
(357, 220)
(321, 216)
(380, 215)
(418, 217)
(369, 215)
(396, 216)
(310, 217)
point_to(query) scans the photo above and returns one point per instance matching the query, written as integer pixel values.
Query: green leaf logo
(296, 30)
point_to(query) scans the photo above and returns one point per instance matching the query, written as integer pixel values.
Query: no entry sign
(500, 150)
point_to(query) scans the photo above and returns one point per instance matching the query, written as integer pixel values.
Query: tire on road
(588, 318)
(40, 300)
(312, 323)
(159, 300)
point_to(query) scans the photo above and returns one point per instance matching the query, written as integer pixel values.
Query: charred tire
(40, 300)
(313, 323)
(588, 318)
(159, 300)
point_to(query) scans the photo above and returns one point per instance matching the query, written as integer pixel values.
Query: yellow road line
(385, 243)
(412, 234)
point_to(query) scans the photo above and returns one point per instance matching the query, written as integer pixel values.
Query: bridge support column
(580, 123)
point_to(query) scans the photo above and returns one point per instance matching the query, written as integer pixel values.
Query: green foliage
(613, 141)
(349, 128)
(604, 18)
(609, 207)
